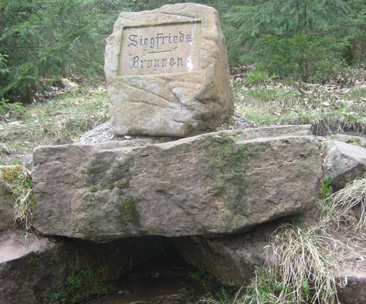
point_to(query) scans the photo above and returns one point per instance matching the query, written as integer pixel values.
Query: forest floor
(333, 107)
(60, 119)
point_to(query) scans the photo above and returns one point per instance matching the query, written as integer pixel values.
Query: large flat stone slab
(212, 184)
(167, 71)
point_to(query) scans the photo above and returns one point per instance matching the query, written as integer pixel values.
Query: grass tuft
(298, 272)
(301, 271)
(346, 207)
(304, 261)
(20, 181)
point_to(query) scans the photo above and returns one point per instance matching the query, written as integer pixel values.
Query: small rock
(27, 161)
(68, 84)
(343, 162)
(4, 148)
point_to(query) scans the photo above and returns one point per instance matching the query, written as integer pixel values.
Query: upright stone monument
(167, 72)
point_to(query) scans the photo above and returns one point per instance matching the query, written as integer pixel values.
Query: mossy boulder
(210, 185)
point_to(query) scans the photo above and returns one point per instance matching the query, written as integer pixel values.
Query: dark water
(160, 281)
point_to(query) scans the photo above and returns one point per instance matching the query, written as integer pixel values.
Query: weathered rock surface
(101, 133)
(213, 184)
(355, 290)
(232, 259)
(21, 273)
(167, 72)
(344, 162)
(31, 269)
(6, 206)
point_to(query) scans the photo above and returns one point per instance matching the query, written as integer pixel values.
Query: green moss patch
(227, 161)
(93, 189)
(10, 174)
(132, 215)
(124, 183)
(82, 284)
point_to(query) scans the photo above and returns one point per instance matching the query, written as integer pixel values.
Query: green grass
(63, 119)
(353, 140)
(273, 103)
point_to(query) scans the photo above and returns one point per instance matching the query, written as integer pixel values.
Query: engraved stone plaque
(160, 49)
(167, 72)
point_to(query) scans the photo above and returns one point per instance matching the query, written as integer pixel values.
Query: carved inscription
(160, 49)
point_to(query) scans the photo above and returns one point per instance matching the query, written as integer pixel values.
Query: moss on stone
(81, 284)
(11, 174)
(93, 189)
(97, 168)
(132, 215)
(226, 157)
(6, 191)
(124, 183)
(110, 185)
(226, 171)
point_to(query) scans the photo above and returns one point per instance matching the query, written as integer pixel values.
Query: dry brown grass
(20, 182)
(346, 207)
(305, 260)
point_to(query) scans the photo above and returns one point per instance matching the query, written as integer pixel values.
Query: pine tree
(297, 38)
(357, 25)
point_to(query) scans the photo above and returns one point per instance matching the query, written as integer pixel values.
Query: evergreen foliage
(302, 38)
(301, 57)
(44, 40)
(357, 24)
(220, 5)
